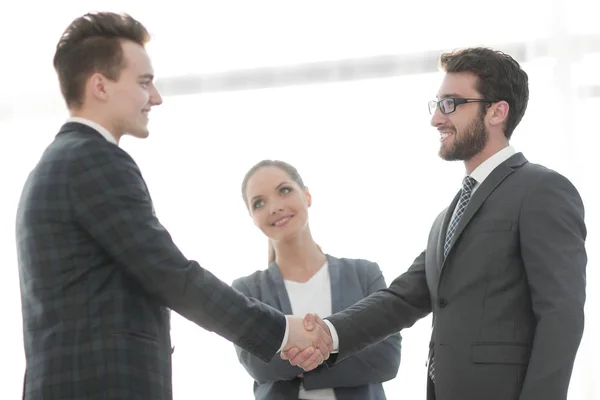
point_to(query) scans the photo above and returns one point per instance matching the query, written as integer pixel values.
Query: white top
(313, 296)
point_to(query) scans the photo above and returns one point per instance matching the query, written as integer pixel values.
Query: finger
(302, 357)
(313, 362)
(323, 347)
(324, 332)
(326, 336)
(289, 353)
(310, 367)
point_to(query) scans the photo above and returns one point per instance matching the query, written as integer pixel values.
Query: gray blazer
(507, 302)
(99, 273)
(357, 378)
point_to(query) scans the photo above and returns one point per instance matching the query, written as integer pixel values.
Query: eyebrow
(146, 76)
(449, 95)
(276, 187)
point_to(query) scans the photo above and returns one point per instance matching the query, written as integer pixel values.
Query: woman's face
(278, 205)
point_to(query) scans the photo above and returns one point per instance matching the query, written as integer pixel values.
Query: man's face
(462, 133)
(133, 95)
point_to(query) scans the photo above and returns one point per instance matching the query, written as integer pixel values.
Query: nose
(275, 207)
(155, 97)
(437, 118)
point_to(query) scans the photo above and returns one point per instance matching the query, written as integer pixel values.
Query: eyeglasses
(448, 105)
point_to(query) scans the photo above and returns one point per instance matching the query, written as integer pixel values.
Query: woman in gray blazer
(301, 279)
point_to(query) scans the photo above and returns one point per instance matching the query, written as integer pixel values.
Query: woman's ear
(308, 196)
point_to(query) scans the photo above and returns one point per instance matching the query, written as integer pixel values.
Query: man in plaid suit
(98, 272)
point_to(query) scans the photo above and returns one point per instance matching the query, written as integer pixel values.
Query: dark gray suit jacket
(507, 301)
(98, 276)
(357, 378)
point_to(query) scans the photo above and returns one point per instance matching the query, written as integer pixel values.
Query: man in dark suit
(504, 267)
(98, 272)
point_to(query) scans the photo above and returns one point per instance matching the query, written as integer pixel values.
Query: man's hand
(309, 358)
(309, 343)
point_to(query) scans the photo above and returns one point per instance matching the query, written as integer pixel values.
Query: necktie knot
(468, 184)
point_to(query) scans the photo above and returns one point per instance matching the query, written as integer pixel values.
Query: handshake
(309, 342)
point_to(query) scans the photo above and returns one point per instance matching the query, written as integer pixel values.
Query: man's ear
(499, 113)
(97, 86)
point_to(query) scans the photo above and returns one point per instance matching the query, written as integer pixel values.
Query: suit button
(442, 302)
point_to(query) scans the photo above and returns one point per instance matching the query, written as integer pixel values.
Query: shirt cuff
(334, 336)
(286, 334)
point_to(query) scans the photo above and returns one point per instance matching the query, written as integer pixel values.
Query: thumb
(309, 321)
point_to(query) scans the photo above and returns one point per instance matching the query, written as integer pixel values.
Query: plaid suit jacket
(99, 273)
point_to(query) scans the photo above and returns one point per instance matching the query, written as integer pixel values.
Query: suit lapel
(337, 301)
(482, 193)
(443, 230)
(279, 289)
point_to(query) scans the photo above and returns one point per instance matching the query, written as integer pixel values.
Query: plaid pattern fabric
(99, 273)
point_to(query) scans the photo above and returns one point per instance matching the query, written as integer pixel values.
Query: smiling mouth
(445, 135)
(282, 221)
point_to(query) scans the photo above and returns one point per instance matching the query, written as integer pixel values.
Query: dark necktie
(463, 201)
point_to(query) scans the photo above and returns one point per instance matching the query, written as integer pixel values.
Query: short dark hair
(90, 44)
(500, 77)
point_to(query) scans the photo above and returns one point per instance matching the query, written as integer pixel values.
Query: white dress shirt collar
(101, 130)
(485, 168)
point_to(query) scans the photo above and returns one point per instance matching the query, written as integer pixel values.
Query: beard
(468, 143)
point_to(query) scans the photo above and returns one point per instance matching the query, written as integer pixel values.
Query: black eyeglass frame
(456, 101)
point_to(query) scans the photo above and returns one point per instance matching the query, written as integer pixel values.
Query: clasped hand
(309, 342)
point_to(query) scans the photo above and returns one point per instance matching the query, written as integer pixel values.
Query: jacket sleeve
(384, 312)
(375, 364)
(111, 203)
(274, 370)
(552, 235)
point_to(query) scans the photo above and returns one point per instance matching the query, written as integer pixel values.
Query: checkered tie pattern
(463, 201)
(431, 368)
(465, 196)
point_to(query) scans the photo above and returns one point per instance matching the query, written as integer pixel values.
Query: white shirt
(101, 130)
(312, 296)
(479, 174)
(485, 168)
